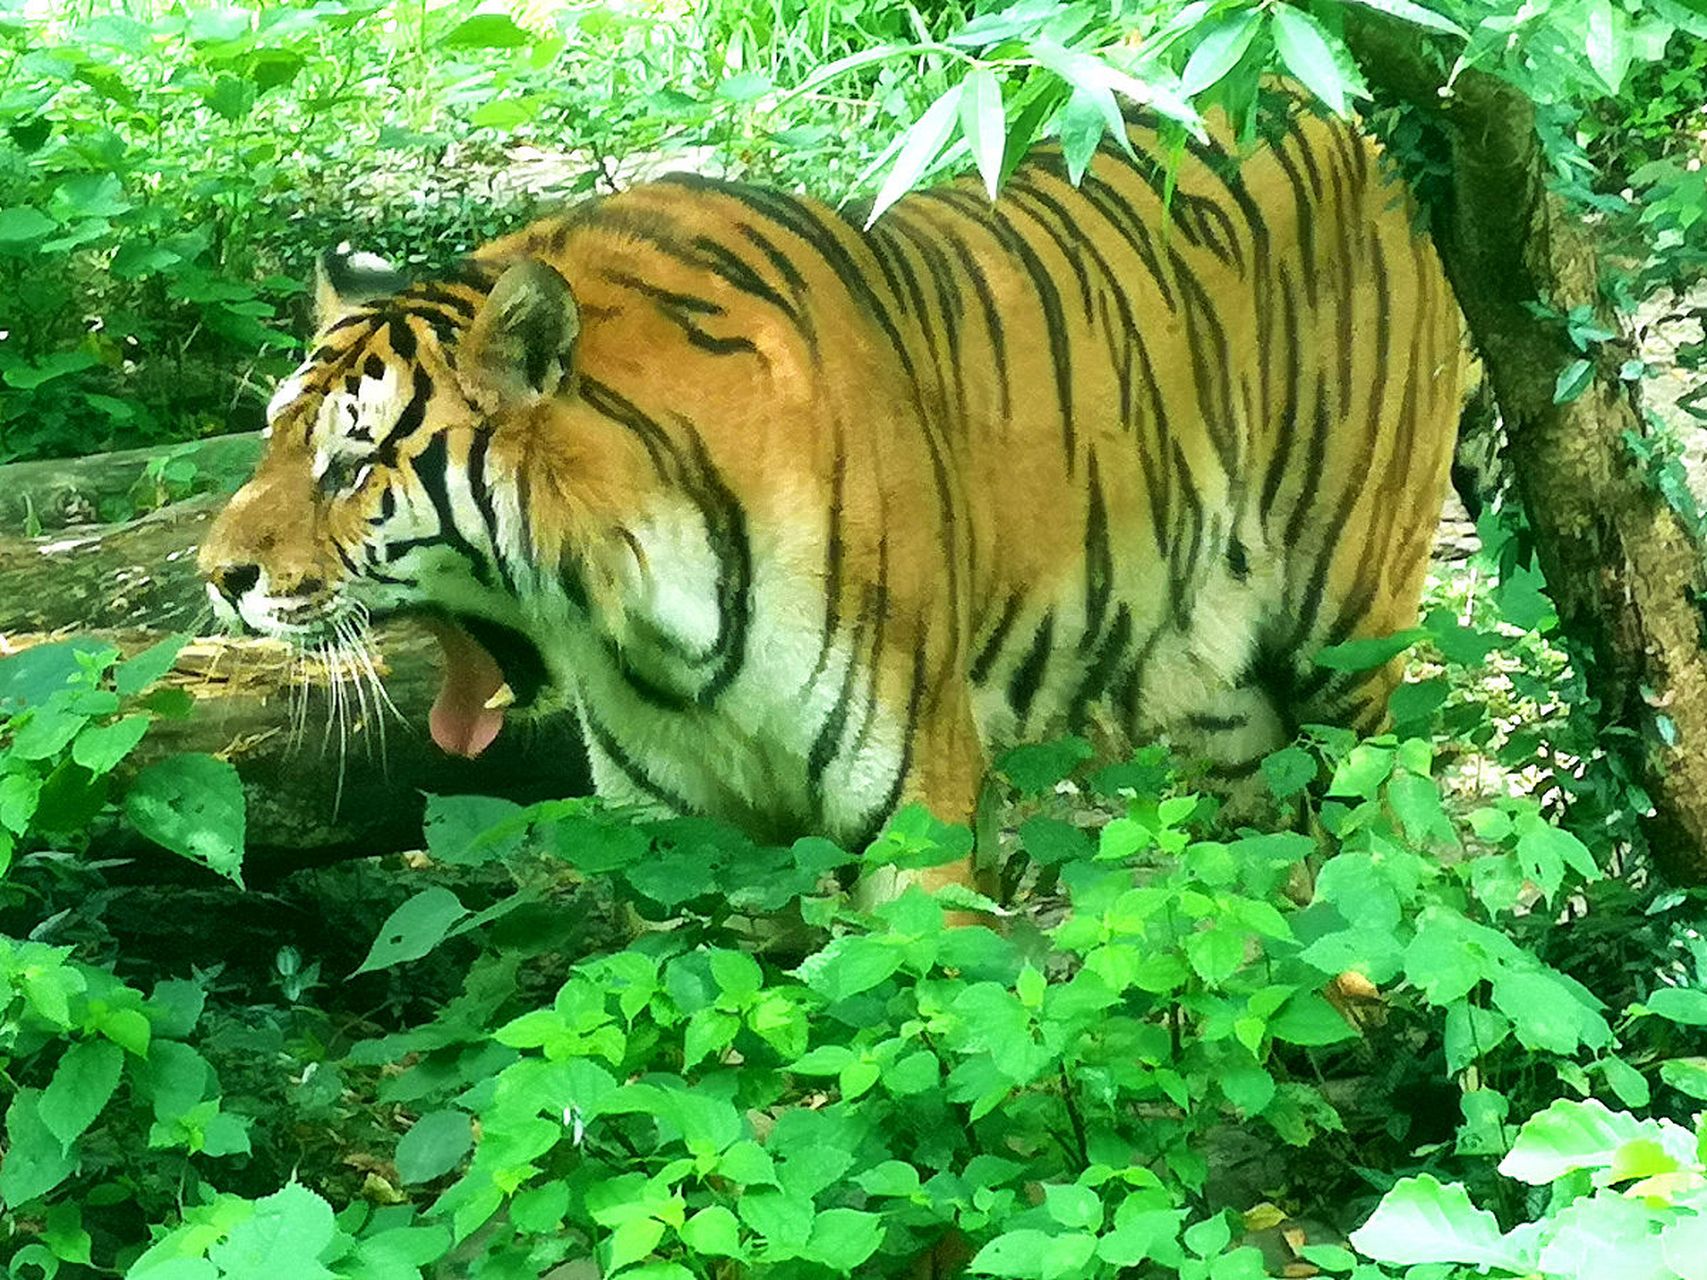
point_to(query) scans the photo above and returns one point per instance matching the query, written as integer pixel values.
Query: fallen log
(56, 492)
(330, 771)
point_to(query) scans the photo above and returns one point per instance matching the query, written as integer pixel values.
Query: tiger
(806, 518)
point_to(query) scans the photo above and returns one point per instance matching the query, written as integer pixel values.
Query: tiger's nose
(232, 580)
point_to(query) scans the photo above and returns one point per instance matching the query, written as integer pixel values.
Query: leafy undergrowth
(663, 1051)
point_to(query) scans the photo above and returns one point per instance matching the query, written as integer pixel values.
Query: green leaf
(47, 732)
(1368, 652)
(1608, 42)
(1305, 49)
(712, 1232)
(709, 1031)
(1029, 1254)
(1036, 767)
(433, 1146)
(22, 224)
(507, 113)
(842, 1239)
(737, 975)
(1687, 1075)
(1216, 953)
(849, 965)
(1415, 13)
(135, 674)
(779, 1217)
(1625, 1081)
(1288, 771)
(1471, 1033)
(891, 1178)
(82, 1084)
(464, 830)
(1222, 44)
(194, 806)
(98, 748)
(18, 795)
(540, 1210)
(1569, 1135)
(414, 929)
(35, 1162)
(1308, 1019)
(984, 125)
(1362, 772)
(1209, 1236)
(1422, 1221)
(285, 1236)
(1545, 851)
(487, 31)
(1073, 1206)
(1573, 380)
(921, 145)
(1681, 1005)
(1080, 126)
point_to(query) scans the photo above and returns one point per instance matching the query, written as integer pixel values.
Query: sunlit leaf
(1218, 52)
(984, 125)
(1308, 54)
(922, 144)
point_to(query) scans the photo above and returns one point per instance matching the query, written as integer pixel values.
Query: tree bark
(1623, 569)
(314, 796)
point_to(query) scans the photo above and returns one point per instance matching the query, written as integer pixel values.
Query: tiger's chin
(489, 671)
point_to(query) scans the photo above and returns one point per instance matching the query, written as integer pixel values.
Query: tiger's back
(816, 517)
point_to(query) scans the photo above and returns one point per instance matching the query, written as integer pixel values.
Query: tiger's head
(372, 499)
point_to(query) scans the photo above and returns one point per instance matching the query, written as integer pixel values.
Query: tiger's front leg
(946, 769)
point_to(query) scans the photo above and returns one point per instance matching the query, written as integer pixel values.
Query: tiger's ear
(521, 344)
(344, 280)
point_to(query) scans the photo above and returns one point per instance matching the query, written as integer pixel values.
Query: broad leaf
(414, 928)
(922, 144)
(1422, 1221)
(1305, 49)
(194, 806)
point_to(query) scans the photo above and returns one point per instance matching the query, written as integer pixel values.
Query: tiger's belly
(813, 738)
(798, 742)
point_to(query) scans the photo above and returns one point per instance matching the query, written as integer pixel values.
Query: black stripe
(1211, 365)
(432, 467)
(992, 322)
(1054, 318)
(981, 664)
(1027, 678)
(411, 419)
(1099, 556)
(402, 337)
(481, 491)
(1101, 669)
(834, 552)
(829, 735)
(625, 764)
(881, 813)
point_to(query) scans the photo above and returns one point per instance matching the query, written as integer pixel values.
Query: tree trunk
(1622, 568)
(313, 796)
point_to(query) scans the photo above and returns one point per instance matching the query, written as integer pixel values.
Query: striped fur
(806, 520)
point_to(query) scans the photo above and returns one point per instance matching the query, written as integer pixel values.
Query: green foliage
(99, 1070)
(675, 1052)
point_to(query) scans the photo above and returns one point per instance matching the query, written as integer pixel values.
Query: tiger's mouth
(489, 668)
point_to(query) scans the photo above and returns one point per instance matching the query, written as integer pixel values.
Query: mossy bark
(1622, 567)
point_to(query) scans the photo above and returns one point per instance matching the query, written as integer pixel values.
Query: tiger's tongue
(461, 722)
